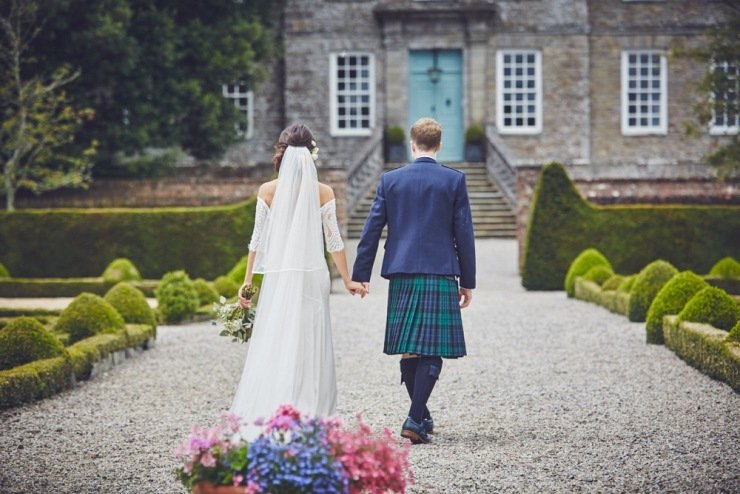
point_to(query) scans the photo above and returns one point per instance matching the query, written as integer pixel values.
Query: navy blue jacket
(430, 226)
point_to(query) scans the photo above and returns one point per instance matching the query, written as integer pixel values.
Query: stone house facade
(589, 83)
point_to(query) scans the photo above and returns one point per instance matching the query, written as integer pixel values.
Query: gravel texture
(556, 395)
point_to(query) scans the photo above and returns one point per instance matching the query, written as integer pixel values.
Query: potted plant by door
(475, 144)
(395, 144)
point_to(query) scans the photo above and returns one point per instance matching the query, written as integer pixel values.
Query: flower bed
(293, 454)
(704, 347)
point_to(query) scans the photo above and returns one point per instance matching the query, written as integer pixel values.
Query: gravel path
(556, 395)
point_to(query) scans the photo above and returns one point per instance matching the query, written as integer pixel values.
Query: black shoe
(428, 425)
(415, 432)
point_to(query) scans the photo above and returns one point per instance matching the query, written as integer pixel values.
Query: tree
(153, 70)
(38, 122)
(717, 90)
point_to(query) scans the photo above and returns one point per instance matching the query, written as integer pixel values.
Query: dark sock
(408, 376)
(427, 373)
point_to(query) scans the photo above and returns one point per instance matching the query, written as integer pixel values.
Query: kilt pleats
(424, 316)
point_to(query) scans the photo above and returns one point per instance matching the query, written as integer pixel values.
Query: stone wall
(691, 189)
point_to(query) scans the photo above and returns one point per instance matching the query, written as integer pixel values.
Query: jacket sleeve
(464, 236)
(368, 246)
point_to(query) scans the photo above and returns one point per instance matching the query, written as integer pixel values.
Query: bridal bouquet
(293, 454)
(236, 321)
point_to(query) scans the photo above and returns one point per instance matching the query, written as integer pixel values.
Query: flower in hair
(314, 151)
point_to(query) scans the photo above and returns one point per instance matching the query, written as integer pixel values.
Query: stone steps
(492, 215)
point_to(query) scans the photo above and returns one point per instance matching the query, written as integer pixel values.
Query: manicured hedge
(705, 348)
(64, 287)
(612, 300)
(671, 300)
(647, 285)
(205, 241)
(581, 265)
(562, 224)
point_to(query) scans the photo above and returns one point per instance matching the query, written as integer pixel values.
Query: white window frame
(725, 129)
(249, 114)
(662, 128)
(335, 129)
(500, 116)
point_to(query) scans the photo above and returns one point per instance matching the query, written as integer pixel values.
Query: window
(725, 119)
(519, 91)
(644, 93)
(352, 94)
(242, 99)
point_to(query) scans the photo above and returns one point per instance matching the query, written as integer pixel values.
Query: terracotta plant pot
(208, 488)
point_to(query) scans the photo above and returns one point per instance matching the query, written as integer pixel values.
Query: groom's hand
(466, 295)
(366, 286)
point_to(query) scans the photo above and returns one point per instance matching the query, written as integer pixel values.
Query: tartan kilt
(424, 316)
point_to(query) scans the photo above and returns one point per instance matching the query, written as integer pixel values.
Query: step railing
(365, 170)
(498, 164)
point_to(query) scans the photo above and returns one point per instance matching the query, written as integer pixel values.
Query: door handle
(448, 102)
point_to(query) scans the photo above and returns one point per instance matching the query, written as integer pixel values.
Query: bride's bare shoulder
(267, 191)
(326, 193)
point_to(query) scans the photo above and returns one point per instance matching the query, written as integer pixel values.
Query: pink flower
(237, 480)
(252, 488)
(208, 460)
(232, 420)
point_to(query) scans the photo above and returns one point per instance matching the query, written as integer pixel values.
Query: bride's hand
(356, 288)
(243, 302)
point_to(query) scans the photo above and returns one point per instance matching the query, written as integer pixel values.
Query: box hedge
(121, 269)
(581, 265)
(177, 297)
(562, 224)
(671, 300)
(727, 267)
(599, 274)
(4, 272)
(205, 241)
(25, 340)
(704, 347)
(613, 282)
(131, 304)
(64, 287)
(87, 316)
(35, 380)
(647, 285)
(712, 306)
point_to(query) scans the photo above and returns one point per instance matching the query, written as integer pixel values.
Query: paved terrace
(556, 395)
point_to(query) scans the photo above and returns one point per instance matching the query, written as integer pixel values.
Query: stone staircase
(493, 216)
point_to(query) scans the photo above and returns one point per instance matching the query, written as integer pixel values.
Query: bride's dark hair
(293, 135)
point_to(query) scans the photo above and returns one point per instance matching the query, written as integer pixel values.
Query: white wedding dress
(290, 359)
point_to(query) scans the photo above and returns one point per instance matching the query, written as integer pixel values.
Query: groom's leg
(408, 377)
(427, 373)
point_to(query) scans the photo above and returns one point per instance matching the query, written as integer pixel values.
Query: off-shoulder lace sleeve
(331, 228)
(260, 217)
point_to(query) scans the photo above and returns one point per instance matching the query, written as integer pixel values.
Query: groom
(430, 246)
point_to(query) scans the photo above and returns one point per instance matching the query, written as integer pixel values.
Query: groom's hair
(427, 134)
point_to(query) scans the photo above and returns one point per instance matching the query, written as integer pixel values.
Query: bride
(290, 358)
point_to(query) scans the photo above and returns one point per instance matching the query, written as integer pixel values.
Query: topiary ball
(726, 267)
(237, 272)
(613, 282)
(581, 265)
(206, 293)
(131, 303)
(599, 274)
(176, 296)
(627, 284)
(734, 335)
(121, 269)
(4, 271)
(226, 287)
(25, 340)
(712, 306)
(88, 315)
(671, 299)
(647, 285)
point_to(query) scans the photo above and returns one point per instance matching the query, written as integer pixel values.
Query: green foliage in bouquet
(613, 282)
(25, 340)
(207, 294)
(599, 274)
(225, 286)
(88, 315)
(726, 267)
(647, 285)
(670, 300)
(4, 271)
(712, 306)
(176, 296)
(121, 269)
(581, 265)
(131, 304)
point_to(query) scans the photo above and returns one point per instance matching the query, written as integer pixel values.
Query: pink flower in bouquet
(374, 464)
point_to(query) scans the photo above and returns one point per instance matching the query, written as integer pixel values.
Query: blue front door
(436, 90)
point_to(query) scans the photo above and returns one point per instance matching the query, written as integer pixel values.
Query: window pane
(518, 74)
(353, 90)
